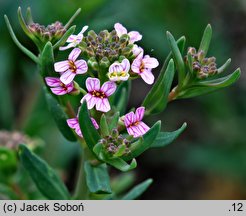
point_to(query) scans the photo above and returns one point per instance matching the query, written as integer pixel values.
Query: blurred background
(208, 161)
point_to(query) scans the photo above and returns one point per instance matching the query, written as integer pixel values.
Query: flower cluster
(107, 59)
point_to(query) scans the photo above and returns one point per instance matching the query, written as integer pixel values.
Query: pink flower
(58, 87)
(74, 124)
(134, 124)
(143, 65)
(134, 35)
(98, 95)
(74, 40)
(119, 71)
(69, 68)
(136, 50)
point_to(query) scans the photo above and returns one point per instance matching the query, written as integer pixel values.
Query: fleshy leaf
(104, 126)
(97, 178)
(206, 38)
(114, 121)
(224, 66)
(178, 59)
(142, 144)
(138, 190)
(59, 116)
(157, 98)
(72, 18)
(47, 60)
(165, 138)
(89, 132)
(45, 178)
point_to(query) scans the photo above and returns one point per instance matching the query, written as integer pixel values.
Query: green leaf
(29, 16)
(18, 44)
(224, 66)
(157, 98)
(64, 38)
(121, 165)
(104, 126)
(97, 178)
(165, 138)
(178, 59)
(121, 96)
(114, 121)
(45, 178)
(47, 60)
(90, 133)
(206, 87)
(138, 190)
(142, 144)
(206, 39)
(59, 116)
(72, 18)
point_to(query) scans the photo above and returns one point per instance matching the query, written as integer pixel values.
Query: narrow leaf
(224, 66)
(157, 98)
(23, 23)
(121, 165)
(143, 144)
(97, 178)
(59, 116)
(18, 44)
(29, 16)
(72, 18)
(47, 60)
(104, 126)
(206, 39)
(114, 121)
(165, 138)
(178, 59)
(138, 190)
(45, 178)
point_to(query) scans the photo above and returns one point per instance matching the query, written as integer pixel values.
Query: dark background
(208, 161)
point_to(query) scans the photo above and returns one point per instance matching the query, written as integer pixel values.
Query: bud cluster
(115, 144)
(52, 32)
(203, 67)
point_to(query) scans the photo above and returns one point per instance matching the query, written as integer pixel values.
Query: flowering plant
(88, 92)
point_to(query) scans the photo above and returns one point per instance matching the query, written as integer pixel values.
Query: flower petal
(71, 38)
(125, 65)
(147, 76)
(91, 101)
(58, 90)
(108, 88)
(134, 36)
(120, 29)
(84, 29)
(61, 66)
(81, 66)
(142, 127)
(94, 123)
(116, 67)
(136, 65)
(131, 132)
(70, 45)
(102, 105)
(74, 54)
(150, 62)
(67, 77)
(136, 50)
(129, 119)
(139, 113)
(52, 81)
(92, 84)
(73, 123)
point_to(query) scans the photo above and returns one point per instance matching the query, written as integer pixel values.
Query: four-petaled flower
(98, 95)
(74, 40)
(69, 68)
(58, 87)
(143, 65)
(74, 124)
(134, 124)
(119, 71)
(134, 35)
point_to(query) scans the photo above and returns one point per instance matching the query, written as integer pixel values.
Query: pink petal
(150, 62)
(139, 113)
(78, 131)
(73, 123)
(102, 105)
(115, 67)
(81, 66)
(83, 29)
(134, 36)
(129, 119)
(58, 90)
(67, 77)
(91, 101)
(143, 127)
(147, 76)
(70, 45)
(137, 50)
(108, 88)
(74, 54)
(94, 123)
(52, 81)
(120, 29)
(130, 131)
(61, 66)
(92, 84)
(136, 65)
(70, 87)
(134, 131)
(126, 65)
(71, 38)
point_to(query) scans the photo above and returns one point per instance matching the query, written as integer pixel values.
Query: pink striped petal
(74, 54)
(134, 36)
(67, 77)
(108, 88)
(71, 38)
(129, 119)
(126, 65)
(136, 65)
(143, 127)
(132, 131)
(91, 101)
(70, 45)
(92, 84)
(115, 67)
(136, 50)
(102, 105)
(120, 29)
(139, 113)
(81, 66)
(73, 123)
(61, 66)
(147, 76)
(150, 62)
(52, 81)
(58, 91)
(94, 123)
